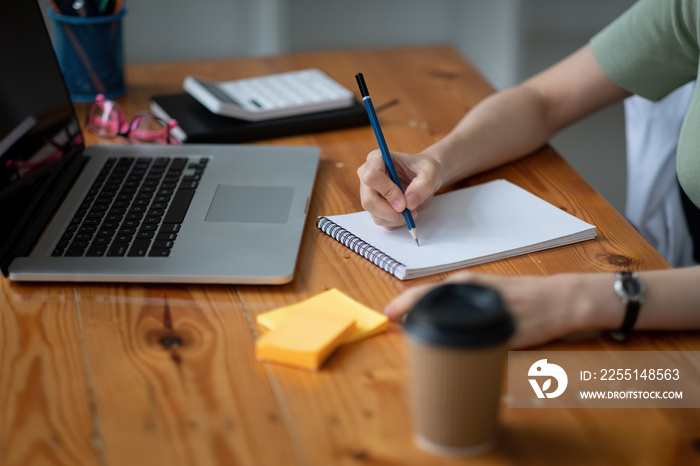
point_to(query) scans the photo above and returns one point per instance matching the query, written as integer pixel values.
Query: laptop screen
(37, 121)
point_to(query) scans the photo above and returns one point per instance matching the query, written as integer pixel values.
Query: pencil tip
(414, 233)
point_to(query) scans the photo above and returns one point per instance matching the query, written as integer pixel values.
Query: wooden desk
(166, 375)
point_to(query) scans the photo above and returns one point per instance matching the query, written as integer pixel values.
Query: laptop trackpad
(251, 204)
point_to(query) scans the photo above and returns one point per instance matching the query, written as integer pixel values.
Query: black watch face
(632, 286)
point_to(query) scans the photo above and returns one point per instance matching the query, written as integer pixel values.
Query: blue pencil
(385, 150)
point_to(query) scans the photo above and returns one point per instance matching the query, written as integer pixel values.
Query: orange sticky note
(304, 339)
(367, 321)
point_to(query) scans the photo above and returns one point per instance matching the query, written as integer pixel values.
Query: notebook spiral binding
(359, 246)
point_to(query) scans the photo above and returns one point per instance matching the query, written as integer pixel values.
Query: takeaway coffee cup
(456, 337)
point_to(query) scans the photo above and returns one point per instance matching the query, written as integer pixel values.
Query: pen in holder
(90, 53)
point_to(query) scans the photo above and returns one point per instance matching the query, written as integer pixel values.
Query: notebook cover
(199, 125)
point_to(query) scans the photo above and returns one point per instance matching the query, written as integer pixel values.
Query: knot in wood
(619, 260)
(170, 342)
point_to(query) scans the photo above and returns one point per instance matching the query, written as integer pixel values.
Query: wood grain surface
(125, 375)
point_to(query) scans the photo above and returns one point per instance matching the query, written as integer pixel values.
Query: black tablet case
(202, 126)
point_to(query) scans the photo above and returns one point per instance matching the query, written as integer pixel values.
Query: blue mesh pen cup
(89, 50)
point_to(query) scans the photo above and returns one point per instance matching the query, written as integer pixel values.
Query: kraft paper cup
(456, 338)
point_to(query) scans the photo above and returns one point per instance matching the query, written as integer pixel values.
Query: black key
(163, 245)
(105, 233)
(178, 164)
(162, 236)
(144, 234)
(170, 228)
(123, 238)
(159, 252)
(117, 250)
(178, 207)
(189, 185)
(139, 248)
(96, 250)
(109, 226)
(74, 252)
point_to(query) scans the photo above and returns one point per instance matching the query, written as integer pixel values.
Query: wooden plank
(46, 410)
(175, 378)
(172, 369)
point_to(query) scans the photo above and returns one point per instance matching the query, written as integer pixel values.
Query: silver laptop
(133, 213)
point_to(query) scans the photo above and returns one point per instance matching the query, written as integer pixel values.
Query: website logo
(543, 369)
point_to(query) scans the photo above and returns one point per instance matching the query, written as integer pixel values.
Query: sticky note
(305, 339)
(367, 321)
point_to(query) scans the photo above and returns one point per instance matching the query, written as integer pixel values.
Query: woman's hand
(420, 175)
(544, 308)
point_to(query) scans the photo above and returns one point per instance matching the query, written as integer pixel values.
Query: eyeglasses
(107, 119)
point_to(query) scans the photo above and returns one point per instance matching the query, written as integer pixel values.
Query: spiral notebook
(470, 226)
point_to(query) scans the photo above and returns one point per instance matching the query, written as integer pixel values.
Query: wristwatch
(631, 289)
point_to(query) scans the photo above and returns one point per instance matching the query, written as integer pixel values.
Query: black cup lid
(461, 315)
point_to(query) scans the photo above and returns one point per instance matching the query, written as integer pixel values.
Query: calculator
(271, 96)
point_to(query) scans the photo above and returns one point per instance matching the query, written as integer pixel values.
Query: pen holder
(89, 51)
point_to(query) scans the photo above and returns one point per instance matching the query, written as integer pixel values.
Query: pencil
(385, 150)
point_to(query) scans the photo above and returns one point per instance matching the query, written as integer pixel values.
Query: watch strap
(631, 313)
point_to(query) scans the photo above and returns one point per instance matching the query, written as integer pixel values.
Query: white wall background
(507, 40)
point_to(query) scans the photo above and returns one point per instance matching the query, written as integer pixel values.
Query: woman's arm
(501, 128)
(547, 308)
(515, 122)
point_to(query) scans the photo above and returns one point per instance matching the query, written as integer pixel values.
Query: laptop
(133, 213)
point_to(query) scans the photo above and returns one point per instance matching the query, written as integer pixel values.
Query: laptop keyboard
(134, 208)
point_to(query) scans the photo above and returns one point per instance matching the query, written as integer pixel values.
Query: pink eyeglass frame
(104, 127)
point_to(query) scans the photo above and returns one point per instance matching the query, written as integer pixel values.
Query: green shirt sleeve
(652, 48)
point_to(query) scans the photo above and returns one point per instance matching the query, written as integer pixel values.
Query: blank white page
(473, 225)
